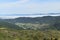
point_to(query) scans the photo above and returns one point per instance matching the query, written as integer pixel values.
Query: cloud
(23, 7)
(8, 17)
(13, 4)
(12, 7)
(13, 17)
(46, 7)
(28, 7)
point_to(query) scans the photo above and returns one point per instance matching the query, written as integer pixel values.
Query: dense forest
(27, 28)
(37, 23)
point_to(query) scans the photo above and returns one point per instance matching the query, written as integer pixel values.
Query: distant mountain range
(44, 19)
(37, 23)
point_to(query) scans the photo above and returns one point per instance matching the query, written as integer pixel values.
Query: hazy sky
(13, 7)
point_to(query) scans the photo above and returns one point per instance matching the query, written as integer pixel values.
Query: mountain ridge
(41, 23)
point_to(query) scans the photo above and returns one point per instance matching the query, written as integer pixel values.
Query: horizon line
(13, 17)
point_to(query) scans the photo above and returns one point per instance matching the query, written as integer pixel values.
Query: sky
(28, 8)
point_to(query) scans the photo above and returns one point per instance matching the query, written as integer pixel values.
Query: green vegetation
(40, 28)
(37, 23)
(32, 26)
(7, 34)
(4, 24)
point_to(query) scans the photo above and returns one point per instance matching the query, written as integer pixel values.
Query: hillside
(45, 19)
(37, 23)
(7, 25)
(29, 35)
(26, 28)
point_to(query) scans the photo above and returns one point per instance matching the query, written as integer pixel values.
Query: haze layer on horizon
(28, 8)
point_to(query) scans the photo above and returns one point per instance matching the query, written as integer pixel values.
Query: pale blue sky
(1, 1)
(13, 7)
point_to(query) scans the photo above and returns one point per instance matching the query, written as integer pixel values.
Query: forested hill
(27, 28)
(37, 23)
(45, 19)
(7, 25)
